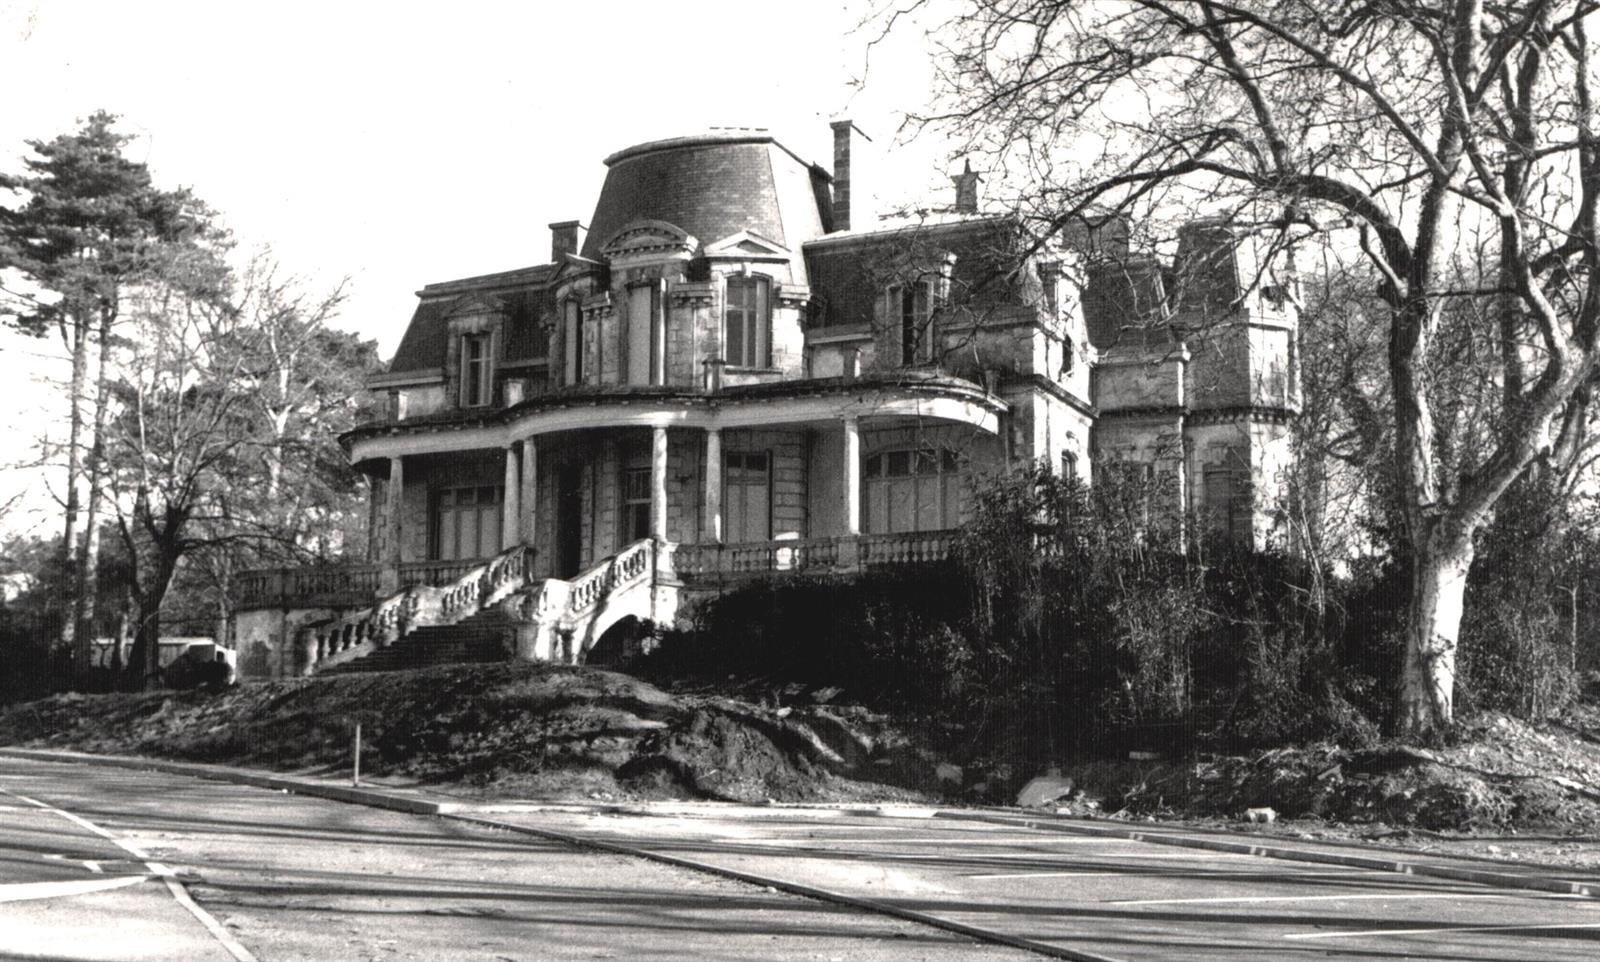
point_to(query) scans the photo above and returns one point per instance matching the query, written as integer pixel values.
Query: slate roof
(521, 292)
(712, 186)
(849, 270)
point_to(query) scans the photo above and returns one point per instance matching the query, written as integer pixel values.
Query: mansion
(733, 373)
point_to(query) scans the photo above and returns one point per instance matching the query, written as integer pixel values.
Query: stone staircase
(498, 611)
(488, 636)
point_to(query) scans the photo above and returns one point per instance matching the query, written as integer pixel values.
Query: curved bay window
(918, 489)
(747, 322)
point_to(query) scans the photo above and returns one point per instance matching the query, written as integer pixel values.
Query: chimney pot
(966, 190)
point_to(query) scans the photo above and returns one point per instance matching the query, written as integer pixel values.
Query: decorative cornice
(692, 293)
(793, 295)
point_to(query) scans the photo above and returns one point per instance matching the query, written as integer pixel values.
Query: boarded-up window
(746, 320)
(467, 523)
(747, 495)
(912, 490)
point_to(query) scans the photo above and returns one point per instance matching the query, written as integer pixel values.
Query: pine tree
(90, 227)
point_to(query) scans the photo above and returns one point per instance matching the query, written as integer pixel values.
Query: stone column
(530, 491)
(394, 505)
(713, 501)
(510, 513)
(850, 477)
(658, 483)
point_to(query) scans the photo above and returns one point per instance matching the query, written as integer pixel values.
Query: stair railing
(361, 632)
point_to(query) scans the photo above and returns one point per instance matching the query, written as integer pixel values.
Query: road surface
(99, 863)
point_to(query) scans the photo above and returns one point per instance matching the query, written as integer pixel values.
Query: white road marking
(178, 892)
(1288, 874)
(1354, 897)
(30, 891)
(1446, 930)
(1049, 875)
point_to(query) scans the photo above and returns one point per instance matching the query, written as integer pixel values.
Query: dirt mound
(528, 729)
(1497, 774)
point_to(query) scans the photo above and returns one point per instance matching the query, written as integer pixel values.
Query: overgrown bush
(1531, 592)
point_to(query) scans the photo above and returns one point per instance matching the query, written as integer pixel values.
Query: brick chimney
(966, 190)
(566, 237)
(844, 133)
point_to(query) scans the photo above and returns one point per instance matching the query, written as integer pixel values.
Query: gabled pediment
(648, 237)
(747, 245)
(471, 305)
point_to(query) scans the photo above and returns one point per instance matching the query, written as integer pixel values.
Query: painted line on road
(1457, 873)
(1445, 930)
(174, 887)
(31, 891)
(1356, 897)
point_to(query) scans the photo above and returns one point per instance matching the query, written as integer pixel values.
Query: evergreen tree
(90, 227)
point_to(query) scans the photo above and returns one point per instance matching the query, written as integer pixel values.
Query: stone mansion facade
(729, 374)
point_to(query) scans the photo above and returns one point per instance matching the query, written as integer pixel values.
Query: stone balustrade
(813, 556)
(415, 606)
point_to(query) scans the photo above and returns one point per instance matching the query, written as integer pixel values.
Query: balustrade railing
(436, 574)
(309, 586)
(814, 555)
(416, 605)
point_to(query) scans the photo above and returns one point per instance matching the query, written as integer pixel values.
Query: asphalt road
(296, 878)
(1121, 899)
(288, 877)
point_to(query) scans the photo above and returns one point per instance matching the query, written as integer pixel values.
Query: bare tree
(1419, 133)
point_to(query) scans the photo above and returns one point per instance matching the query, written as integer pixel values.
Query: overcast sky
(404, 143)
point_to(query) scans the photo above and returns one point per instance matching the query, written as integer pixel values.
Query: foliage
(1453, 149)
(92, 230)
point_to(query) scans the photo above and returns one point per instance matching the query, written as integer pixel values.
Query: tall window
(644, 334)
(747, 500)
(467, 523)
(913, 490)
(635, 503)
(572, 341)
(476, 379)
(746, 322)
(911, 310)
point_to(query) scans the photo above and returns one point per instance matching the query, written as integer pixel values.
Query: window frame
(572, 354)
(756, 319)
(729, 483)
(914, 330)
(479, 393)
(878, 468)
(443, 500)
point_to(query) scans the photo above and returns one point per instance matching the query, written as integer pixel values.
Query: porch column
(713, 532)
(850, 477)
(658, 483)
(530, 491)
(389, 577)
(509, 514)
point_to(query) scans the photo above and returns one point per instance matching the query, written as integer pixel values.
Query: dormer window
(477, 380)
(747, 322)
(911, 310)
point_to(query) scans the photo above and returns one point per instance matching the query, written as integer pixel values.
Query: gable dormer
(474, 349)
(748, 246)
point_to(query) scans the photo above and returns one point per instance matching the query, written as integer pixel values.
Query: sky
(399, 144)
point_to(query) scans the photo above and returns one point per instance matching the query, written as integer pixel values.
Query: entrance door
(569, 520)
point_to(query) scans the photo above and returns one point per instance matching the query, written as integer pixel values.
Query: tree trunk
(145, 662)
(88, 596)
(79, 346)
(1433, 627)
